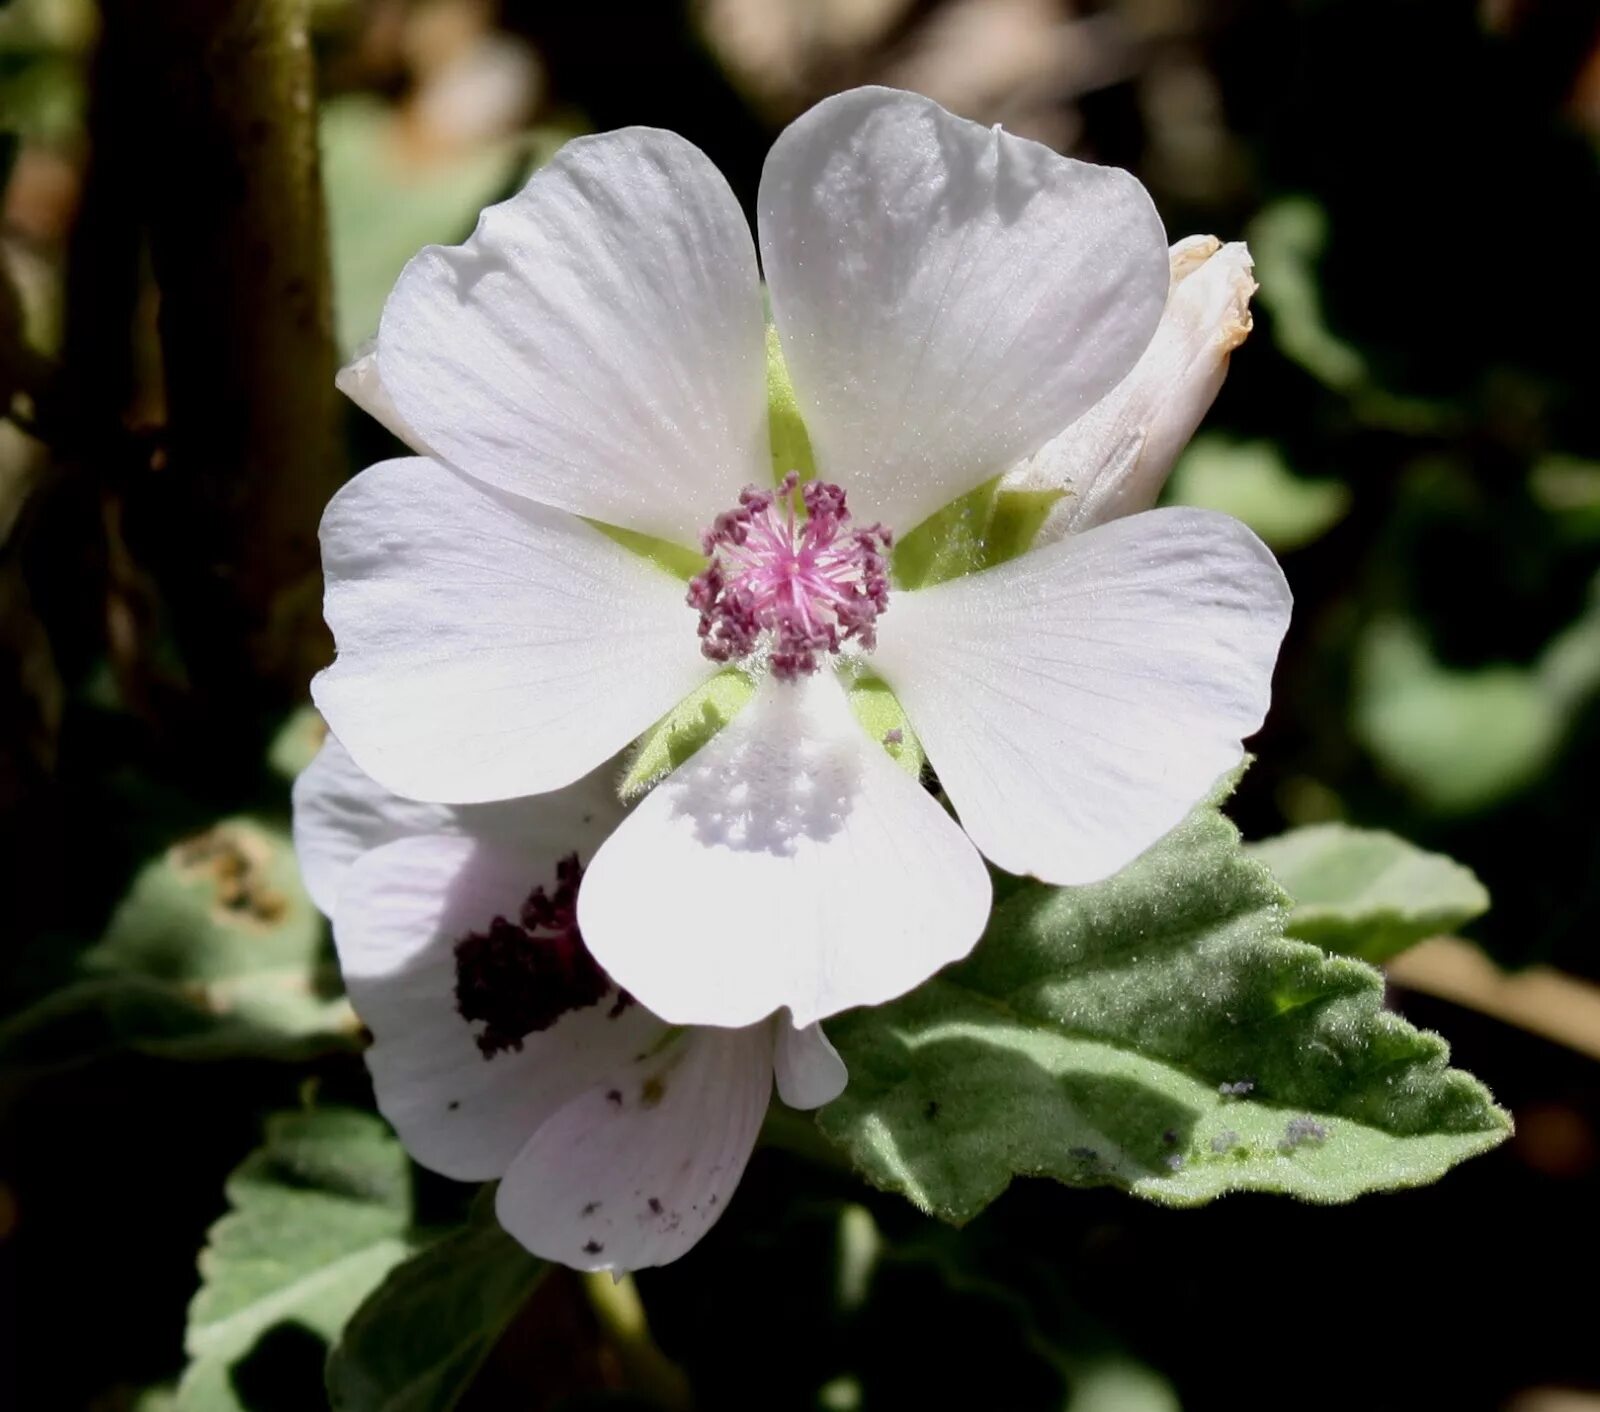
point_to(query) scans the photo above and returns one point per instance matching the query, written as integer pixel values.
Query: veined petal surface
(1078, 701)
(489, 647)
(789, 863)
(948, 296)
(598, 343)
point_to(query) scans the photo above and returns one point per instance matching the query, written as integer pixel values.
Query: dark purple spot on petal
(655, 1205)
(519, 977)
(592, 1247)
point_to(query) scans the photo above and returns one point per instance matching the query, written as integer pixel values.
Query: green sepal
(879, 711)
(985, 527)
(684, 729)
(1018, 517)
(677, 559)
(791, 443)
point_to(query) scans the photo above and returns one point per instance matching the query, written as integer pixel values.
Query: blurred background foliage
(1412, 426)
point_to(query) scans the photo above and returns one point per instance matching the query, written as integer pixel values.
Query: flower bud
(1114, 459)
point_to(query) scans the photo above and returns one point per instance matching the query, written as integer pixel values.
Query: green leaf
(1458, 740)
(222, 924)
(419, 1338)
(297, 742)
(318, 1217)
(1365, 892)
(1251, 481)
(1090, 1036)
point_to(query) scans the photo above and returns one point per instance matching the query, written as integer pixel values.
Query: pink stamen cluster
(810, 585)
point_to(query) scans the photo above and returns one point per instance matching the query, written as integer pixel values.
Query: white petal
(340, 812)
(808, 1068)
(789, 863)
(632, 1172)
(359, 381)
(489, 647)
(598, 343)
(401, 911)
(1114, 460)
(948, 296)
(1078, 701)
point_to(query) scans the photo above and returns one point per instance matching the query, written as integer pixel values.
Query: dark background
(1419, 184)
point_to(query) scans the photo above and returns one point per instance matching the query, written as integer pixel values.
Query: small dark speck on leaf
(932, 1110)
(592, 1247)
(1170, 1137)
(1298, 1132)
(1084, 1154)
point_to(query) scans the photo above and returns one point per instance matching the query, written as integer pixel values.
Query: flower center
(520, 977)
(805, 586)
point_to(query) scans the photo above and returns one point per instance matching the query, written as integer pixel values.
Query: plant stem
(221, 102)
(620, 1312)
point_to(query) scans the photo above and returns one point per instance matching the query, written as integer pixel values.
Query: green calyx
(985, 527)
(791, 443)
(684, 729)
(884, 719)
(692, 723)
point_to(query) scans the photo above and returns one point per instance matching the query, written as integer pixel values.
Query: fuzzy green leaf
(215, 952)
(419, 1338)
(318, 1217)
(222, 924)
(1090, 1036)
(1367, 893)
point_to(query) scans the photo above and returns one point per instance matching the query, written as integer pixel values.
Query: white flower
(949, 298)
(1115, 458)
(501, 1051)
